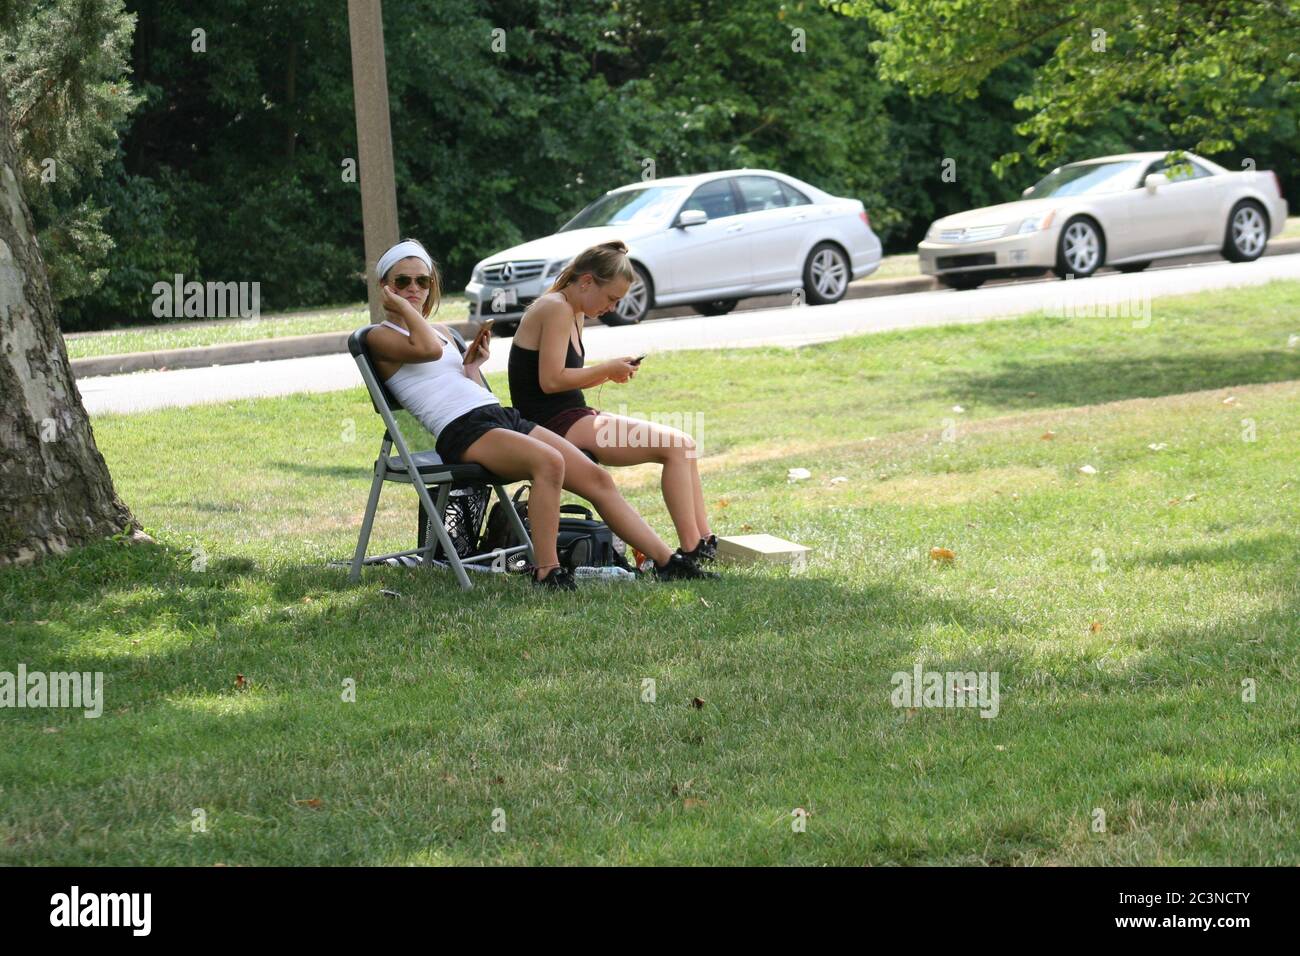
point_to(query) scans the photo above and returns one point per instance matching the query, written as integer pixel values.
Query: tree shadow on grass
(1094, 381)
(480, 696)
(1277, 550)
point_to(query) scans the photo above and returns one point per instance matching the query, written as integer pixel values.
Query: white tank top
(437, 393)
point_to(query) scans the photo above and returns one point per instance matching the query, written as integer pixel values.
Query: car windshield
(1088, 178)
(632, 205)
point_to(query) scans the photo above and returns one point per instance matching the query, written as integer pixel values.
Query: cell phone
(484, 331)
(637, 360)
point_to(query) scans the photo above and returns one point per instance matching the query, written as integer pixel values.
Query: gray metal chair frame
(428, 475)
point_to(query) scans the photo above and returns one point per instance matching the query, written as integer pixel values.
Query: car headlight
(555, 268)
(477, 274)
(1036, 223)
(933, 232)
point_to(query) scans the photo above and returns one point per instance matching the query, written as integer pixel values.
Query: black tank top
(526, 390)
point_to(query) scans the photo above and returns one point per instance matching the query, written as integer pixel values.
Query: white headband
(403, 250)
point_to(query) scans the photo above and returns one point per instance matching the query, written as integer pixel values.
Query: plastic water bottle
(607, 573)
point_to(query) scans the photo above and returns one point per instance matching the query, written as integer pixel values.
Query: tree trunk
(55, 490)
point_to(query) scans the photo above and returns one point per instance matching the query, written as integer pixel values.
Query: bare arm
(552, 376)
(473, 367)
(421, 346)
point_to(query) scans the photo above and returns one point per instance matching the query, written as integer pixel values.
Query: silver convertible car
(1123, 211)
(706, 241)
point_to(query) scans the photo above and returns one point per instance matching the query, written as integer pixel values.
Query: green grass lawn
(1122, 611)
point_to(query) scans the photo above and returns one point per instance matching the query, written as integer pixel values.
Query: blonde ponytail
(607, 262)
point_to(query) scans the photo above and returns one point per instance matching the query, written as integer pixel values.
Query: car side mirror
(1154, 181)
(692, 217)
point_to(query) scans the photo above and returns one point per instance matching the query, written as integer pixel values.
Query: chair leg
(430, 543)
(440, 531)
(367, 523)
(521, 533)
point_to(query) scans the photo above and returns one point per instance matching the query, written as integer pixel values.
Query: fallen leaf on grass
(690, 803)
(723, 502)
(1095, 626)
(1047, 435)
(838, 480)
(1088, 470)
(958, 409)
(313, 803)
(1158, 446)
(942, 554)
(388, 593)
(705, 603)
(53, 730)
(241, 682)
(1230, 400)
(697, 702)
(798, 474)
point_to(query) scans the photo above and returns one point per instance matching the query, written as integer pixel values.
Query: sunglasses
(402, 282)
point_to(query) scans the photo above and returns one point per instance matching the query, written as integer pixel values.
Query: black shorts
(462, 432)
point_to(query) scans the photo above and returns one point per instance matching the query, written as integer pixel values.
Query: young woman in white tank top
(421, 365)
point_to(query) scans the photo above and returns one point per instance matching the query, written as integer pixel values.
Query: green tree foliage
(509, 116)
(1209, 73)
(62, 70)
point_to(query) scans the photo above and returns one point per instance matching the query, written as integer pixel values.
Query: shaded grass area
(1122, 611)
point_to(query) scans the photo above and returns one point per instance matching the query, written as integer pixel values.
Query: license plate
(501, 298)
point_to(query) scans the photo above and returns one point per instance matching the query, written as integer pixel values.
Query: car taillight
(1277, 182)
(866, 220)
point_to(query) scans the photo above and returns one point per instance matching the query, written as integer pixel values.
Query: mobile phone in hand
(637, 360)
(484, 331)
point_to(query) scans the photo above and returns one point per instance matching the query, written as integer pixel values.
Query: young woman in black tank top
(548, 374)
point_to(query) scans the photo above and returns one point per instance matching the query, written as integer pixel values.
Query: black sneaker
(681, 568)
(707, 549)
(560, 579)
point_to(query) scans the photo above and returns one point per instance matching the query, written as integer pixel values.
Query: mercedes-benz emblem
(507, 272)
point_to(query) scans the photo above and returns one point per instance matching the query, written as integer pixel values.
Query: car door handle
(801, 217)
(735, 228)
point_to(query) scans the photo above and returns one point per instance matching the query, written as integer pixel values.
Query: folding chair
(429, 474)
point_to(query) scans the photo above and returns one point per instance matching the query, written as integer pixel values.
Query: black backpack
(582, 541)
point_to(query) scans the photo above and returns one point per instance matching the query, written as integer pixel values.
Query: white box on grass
(768, 548)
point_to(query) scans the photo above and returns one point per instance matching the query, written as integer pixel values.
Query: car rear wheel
(715, 307)
(826, 274)
(961, 281)
(635, 304)
(1081, 249)
(1247, 232)
(1133, 266)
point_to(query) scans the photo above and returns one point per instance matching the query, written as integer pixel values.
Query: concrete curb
(332, 343)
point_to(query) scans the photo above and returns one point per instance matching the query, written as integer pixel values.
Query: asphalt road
(1127, 296)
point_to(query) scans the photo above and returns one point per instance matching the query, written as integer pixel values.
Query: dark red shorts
(565, 420)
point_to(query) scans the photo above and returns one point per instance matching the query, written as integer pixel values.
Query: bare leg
(616, 440)
(514, 456)
(594, 483)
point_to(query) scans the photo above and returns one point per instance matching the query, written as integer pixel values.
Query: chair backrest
(361, 354)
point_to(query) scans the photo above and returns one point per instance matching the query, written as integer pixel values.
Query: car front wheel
(826, 274)
(1247, 233)
(1081, 249)
(636, 302)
